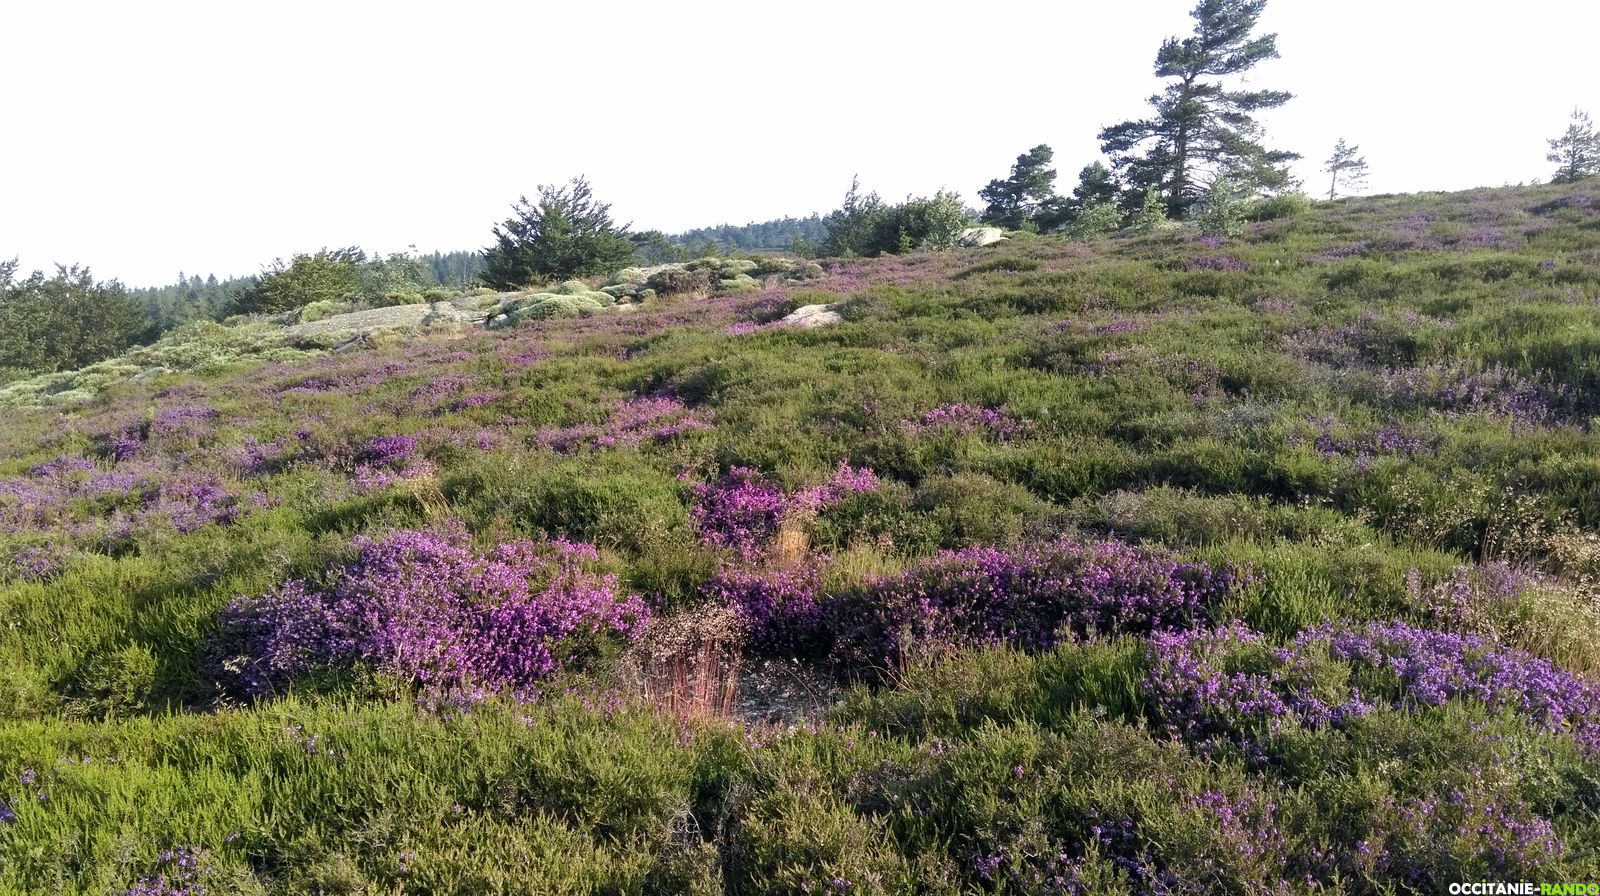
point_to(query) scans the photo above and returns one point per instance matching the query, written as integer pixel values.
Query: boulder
(973, 237)
(398, 317)
(812, 316)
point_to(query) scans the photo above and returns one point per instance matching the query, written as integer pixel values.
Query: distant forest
(766, 236)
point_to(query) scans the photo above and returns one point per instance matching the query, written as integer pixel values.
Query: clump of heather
(1546, 616)
(1214, 263)
(965, 419)
(181, 871)
(386, 451)
(428, 609)
(743, 509)
(73, 497)
(1032, 597)
(1493, 391)
(630, 422)
(385, 460)
(1228, 686)
(192, 500)
(780, 609)
(1331, 440)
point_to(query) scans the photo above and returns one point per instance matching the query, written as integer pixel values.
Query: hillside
(1156, 563)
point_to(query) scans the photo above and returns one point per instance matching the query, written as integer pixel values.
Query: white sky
(143, 139)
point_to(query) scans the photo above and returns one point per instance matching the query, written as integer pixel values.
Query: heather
(1161, 562)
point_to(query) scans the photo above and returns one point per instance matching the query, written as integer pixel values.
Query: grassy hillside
(1162, 563)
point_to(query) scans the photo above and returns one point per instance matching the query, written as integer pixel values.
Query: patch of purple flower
(1227, 685)
(1390, 440)
(386, 451)
(1214, 263)
(743, 509)
(426, 608)
(1031, 597)
(183, 871)
(631, 422)
(965, 419)
(779, 608)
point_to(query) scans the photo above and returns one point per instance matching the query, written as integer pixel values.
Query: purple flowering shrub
(630, 423)
(780, 609)
(1541, 614)
(181, 871)
(428, 609)
(1214, 263)
(73, 503)
(965, 419)
(1227, 686)
(744, 510)
(1031, 597)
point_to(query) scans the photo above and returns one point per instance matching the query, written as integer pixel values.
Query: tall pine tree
(1201, 129)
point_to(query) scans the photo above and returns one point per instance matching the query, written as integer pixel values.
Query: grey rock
(812, 316)
(973, 237)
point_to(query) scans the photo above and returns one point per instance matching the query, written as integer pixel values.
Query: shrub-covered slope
(1161, 563)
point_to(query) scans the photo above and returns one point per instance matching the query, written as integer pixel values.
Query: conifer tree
(568, 233)
(1577, 152)
(1348, 170)
(1016, 200)
(1202, 129)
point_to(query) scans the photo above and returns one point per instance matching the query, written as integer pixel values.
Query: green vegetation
(1577, 151)
(63, 322)
(867, 226)
(1372, 419)
(1202, 128)
(567, 234)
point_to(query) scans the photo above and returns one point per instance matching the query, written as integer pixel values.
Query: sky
(145, 139)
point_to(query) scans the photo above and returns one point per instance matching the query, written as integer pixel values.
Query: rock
(973, 237)
(808, 316)
(543, 306)
(397, 317)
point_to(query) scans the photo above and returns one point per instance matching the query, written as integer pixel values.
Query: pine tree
(1577, 151)
(1201, 127)
(567, 234)
(1348, 169)
(1016, 200)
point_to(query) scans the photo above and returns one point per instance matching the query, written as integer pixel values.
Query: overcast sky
(147, 138)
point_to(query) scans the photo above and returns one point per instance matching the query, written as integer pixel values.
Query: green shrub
(1095, 219)
(1283, 205)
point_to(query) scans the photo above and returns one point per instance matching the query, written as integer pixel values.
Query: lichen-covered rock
(398, 317)
(543, 306)
(973, 237)
(812, 316)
